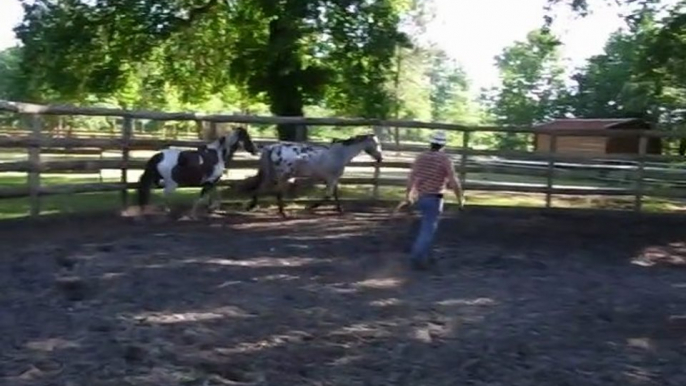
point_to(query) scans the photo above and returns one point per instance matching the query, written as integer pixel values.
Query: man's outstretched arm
(454, 183)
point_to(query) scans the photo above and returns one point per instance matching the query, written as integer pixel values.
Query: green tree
(451, 98)
(640, 74)
(584, 7)
(448, 83)
(287, 53)
(532, 85)
(663, 59)
(11, 81)
(608, 85)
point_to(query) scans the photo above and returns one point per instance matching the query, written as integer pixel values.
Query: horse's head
(244, 140)
(373, 147)
(369, 143)
(237, 138)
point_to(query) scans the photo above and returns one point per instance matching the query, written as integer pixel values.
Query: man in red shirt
(431, 172)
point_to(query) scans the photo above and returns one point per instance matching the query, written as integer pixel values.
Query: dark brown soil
(518, 298)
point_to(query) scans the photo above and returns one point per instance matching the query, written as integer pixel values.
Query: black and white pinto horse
(283, 161)
(202, 167)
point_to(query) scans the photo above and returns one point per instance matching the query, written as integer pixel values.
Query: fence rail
(636, 177)
(36, 109)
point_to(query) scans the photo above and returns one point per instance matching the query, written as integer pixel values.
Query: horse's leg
(281, 185)
(335, 197)
(279, 201)
(215, 202)
(331, 186)
(252, 204)
(257, 191)
(169, 188)
(203, 198)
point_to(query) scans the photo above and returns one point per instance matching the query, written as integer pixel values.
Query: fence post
(33, 177)
(638, 193)
(463, 158)
(214, 131)
(125, 149)
(200, 128)
(552, 150)
(377, 172)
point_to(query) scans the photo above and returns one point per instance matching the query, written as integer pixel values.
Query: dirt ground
(518, 298)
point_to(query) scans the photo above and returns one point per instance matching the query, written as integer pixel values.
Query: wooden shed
(594, 145)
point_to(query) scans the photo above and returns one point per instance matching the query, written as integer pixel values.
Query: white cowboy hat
(438, 137)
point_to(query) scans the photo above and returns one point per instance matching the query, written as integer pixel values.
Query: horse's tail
(149, 177)
(265, 173)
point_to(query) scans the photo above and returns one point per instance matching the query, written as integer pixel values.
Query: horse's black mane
(352, 140)
(242, 133)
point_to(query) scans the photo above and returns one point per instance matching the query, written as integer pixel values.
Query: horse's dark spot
(192, 166)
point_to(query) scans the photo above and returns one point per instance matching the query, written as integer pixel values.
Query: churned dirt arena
(518, 298)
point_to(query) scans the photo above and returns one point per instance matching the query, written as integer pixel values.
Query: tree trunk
(284, 74)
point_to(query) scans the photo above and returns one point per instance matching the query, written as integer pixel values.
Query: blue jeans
(430, 208)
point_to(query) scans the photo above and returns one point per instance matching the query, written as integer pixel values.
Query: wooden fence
(641, 177)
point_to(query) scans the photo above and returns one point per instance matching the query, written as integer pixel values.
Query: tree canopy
(343, 57)
(286, 53)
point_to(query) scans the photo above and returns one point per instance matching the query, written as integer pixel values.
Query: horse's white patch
(169, 159)
(288, 157)
(217, 171)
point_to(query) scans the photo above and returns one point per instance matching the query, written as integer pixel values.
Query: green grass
(19, 179)
(110, 201)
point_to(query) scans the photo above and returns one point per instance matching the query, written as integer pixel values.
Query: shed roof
(580, 124)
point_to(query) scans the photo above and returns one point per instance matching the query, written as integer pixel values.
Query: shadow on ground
(518, 298)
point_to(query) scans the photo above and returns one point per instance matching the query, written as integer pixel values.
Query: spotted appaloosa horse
(203, 167)
(286, 160)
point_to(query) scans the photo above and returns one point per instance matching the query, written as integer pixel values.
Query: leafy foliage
(335, 57)
(287, 53)
(11, 81)
(532, 85)
(640, 74)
